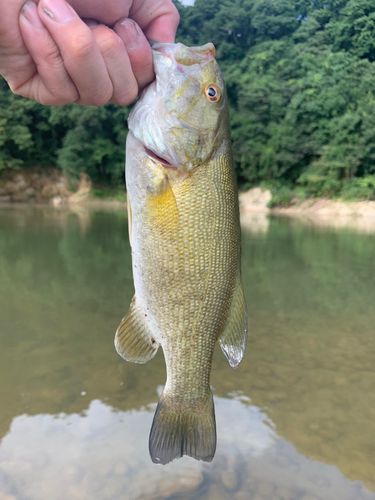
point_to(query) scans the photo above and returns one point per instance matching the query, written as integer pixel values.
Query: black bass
(185, 238)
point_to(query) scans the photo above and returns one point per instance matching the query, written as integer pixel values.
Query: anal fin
(233, 339)
(133, 339)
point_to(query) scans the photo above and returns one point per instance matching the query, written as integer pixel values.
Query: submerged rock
(181, 483)
(229, 479)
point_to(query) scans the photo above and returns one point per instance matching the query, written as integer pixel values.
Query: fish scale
(185, 247)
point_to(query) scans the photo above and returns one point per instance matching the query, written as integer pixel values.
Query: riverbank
(257, 200)
(51, 186)
(358, 216)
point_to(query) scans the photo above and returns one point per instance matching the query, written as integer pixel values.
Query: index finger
(15, 61)
(158, 19)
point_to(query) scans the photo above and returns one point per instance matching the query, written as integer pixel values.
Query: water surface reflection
(102, 453)
(297, 419)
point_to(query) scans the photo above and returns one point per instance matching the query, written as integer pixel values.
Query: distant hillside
(301, 87)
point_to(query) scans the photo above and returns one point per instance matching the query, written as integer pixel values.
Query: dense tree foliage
(300, 76)
(77, 139)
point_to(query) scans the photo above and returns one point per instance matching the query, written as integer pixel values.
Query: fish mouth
(158, 159)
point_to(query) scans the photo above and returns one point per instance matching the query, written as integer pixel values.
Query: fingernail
(30, 11)
(58, 10)
(130, 34)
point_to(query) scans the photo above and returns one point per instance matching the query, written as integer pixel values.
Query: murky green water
(296, 421)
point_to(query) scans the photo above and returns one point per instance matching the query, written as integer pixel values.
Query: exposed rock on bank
(320, 206)
(36, 185)
(255, 200)
(43, 185)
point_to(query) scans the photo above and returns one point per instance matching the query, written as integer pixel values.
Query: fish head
(178, 116)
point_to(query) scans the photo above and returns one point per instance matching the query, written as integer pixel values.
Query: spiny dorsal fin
(233, 339)
(133, 339)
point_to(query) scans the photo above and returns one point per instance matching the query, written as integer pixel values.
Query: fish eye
(212, 93)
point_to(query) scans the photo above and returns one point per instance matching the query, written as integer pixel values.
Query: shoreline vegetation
(300, 81)
(50, 186)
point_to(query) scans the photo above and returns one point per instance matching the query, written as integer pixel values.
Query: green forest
(300, 78)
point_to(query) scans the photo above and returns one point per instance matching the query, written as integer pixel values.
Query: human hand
(48, 52)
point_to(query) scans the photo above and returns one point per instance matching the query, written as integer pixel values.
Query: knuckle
(125, 97)
(82, 46)
(53, 60)
(175, 16)
(45, 100)
(170, 11)
(62, 93)
(49, 56)
(61, 100)
(101, 97)
(106, 39)
(57, 97)
(52, 101)
(15, 87)
(97, 101)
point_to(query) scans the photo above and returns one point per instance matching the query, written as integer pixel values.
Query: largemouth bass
(185, 240)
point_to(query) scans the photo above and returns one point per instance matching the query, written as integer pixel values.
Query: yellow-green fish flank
(185, 238)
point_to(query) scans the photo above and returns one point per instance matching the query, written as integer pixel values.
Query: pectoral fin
(233, 339)
(133, 339)
(163, 211)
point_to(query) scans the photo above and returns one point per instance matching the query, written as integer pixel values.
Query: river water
(295, 421)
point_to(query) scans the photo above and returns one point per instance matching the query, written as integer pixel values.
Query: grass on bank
(314, 186)
(111, 194)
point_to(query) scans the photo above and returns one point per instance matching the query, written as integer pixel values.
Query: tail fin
(175, 434)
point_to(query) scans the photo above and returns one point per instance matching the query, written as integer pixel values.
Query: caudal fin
(175, 434)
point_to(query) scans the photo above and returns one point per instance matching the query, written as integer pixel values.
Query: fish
(184, 233)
